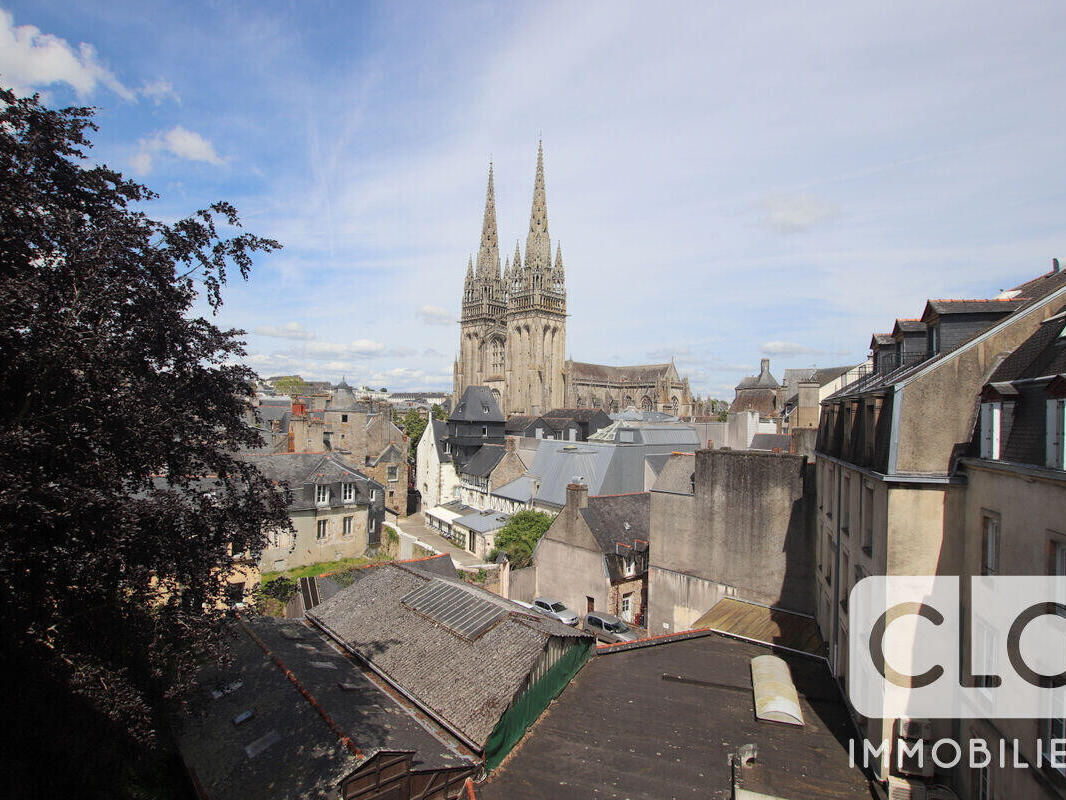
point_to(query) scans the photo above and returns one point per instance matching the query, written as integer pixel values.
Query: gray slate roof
(466, 683)
(300, 756)
(619, 519)
(298, 469)
(439, 430)
(484, 460)
(477, 405)
(483, 521)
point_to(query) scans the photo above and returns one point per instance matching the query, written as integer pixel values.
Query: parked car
(607, 627)
(551, 607)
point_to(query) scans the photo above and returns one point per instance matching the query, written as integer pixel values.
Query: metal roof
(454, 607)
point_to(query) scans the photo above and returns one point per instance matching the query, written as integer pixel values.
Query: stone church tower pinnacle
(513, 325)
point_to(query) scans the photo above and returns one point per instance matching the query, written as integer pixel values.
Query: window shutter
(1054, 431)
(986, 430)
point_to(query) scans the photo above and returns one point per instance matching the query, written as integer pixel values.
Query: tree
(520, 535)
(112, 575)
(291, 384)
(437, 412)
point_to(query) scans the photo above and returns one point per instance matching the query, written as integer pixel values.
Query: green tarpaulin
(532, 702)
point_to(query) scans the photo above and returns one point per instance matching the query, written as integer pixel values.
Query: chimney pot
(765, 366)
(577, 495)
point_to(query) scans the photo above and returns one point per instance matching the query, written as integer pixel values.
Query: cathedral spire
(559, 260)
(488, 256)
(516, 262)
(469, 269)
(538, 245)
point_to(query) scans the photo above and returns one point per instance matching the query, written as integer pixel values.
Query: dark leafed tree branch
(115, 402)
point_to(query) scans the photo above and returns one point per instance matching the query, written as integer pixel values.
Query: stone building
(758, 393)
(513, 332)
(943, 462)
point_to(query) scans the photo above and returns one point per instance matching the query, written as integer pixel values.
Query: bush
(520, 535)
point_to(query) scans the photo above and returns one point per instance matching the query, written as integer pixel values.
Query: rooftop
(663, 721)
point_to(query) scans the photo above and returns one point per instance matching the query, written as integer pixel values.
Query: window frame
(321, 530)
(322, 494)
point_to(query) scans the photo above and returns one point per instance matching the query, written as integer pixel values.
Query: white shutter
(989, 430)
(1055, 449)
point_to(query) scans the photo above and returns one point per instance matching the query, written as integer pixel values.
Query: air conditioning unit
(915, 729)
(906, 789)
(918, 763)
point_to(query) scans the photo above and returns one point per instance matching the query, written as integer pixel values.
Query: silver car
(551, 607)
(607, 627)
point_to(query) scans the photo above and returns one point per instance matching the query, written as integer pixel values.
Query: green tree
(438, 413)
(414, 426)
(520, 535)
(291, 384)
(111, 577)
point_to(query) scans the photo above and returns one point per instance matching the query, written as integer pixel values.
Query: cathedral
(513, 332)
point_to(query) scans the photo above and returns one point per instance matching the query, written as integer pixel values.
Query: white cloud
(179, 142)
(435, 315)
(290, 330)
(158, 91)
(360, 348)
(793, 213)
(787, 349)
(30, 59)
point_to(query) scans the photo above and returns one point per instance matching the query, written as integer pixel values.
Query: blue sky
(728, 181)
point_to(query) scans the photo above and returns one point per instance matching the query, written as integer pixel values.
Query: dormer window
(348, 492)
(321, 495)
(1056, 431)
(991, 417)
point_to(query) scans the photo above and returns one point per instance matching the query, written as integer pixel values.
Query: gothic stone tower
(513, 328)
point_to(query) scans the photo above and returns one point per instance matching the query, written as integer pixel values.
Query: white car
(551, 607)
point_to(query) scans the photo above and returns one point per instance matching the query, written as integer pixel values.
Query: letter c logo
(877, 645)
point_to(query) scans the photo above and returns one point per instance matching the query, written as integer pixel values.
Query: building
(289, 716)
(682, 719)
(758, 393)
(571, 424)
(594, 557)
(336, 511)
(480, 666)
(512, 336)
(476, 421)
(435, 475)
(923, 468)
(728, 523)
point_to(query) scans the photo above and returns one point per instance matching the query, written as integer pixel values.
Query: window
(934, 339)
(485, 428)
(322, 529)
(394, 473)
(371, 525)
(990, 544)
(868, 520)
(348, 492)
(590, 604)
(1056, 432)
(346, 528)
(344, 417)
(845, 503)
(373, 495)
(845, 582)
(991, 416)
(322, 495)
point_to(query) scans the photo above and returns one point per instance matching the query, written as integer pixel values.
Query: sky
(729, 181)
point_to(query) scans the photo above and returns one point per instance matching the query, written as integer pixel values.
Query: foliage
(313, 570)
(520, 535)
(291, 384)
(113, 580)
(438, 413)
(414, 425)
(281, 588)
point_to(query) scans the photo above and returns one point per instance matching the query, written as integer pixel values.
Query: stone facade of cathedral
(513, 332)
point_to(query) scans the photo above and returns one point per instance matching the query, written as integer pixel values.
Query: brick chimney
(509, 444)
(577, 493)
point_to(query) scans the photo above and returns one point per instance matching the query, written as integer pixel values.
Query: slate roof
(483, 521)
(972, 306)
(764, 380)
(768, 441)
(632, 414)
(293, 751)
(518, 424)
(477, 405)
(881, 340)
(467, 684)
(907, 326)
(299, 469)
(1042, 354)
(576, 414)
(439, 430)
(634, 375)
(655, 722)
(484, 460)
(619, 519)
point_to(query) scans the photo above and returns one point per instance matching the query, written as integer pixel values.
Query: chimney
(765, 368)
(577, 493)
(509, 444)
(1054, 265)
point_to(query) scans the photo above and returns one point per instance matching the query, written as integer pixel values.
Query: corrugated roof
(483, 521)
(764, 624)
